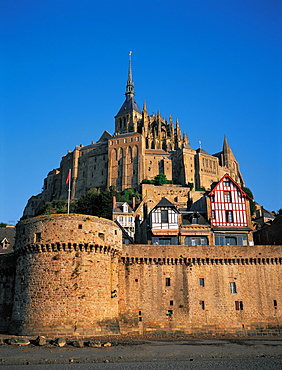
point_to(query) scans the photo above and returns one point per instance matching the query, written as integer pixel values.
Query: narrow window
(202, 304)
(171, 303)
(140, 313)
(226, 183)
(164, 216)
(213, 215)
(140, 318)
(227, 197)
(37, 237)
(101, 235)
(80, 226)
(170, 312)
(167, 281)
(229, 216)
(202, 281)
(233, 287)
(212, 198)
(275, 304)
(239, 305)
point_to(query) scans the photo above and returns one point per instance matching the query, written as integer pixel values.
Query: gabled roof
(105, 136)
(200, 150)
(226, 176)
(166, 203)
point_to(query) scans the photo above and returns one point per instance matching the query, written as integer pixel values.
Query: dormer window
(195, 219)
(125, 208)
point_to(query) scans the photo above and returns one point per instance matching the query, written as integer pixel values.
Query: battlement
(58, 232)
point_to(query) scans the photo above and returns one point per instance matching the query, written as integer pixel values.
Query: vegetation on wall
(252, 202)
(159, 180)
(94, 202)
(2, 224)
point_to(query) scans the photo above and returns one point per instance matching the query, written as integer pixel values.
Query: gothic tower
(129, 113)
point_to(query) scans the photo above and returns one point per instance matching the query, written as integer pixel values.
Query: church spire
(130, 83)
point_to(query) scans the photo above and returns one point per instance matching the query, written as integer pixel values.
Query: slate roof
(129, 105)
(187, 219)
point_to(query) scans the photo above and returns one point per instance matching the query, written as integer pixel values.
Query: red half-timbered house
(229, 213)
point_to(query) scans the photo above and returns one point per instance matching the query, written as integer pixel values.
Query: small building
(123, 215)
(7, 239)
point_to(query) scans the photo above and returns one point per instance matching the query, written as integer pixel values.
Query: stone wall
(66, 277)
(7, 277)
(161, 292)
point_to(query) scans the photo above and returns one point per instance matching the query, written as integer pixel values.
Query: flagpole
(69, 191)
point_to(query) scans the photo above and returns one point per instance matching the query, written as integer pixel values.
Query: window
(202, 281)
(171, 303)
(212, 198)
(167, 281)
(226, 183)
(80, 226)
(202, 304)
(229, 216)
(120, 219)
(37, 237)
(164, 216)
(233, 287)
(194, 219)
(213, 215)
(169, 312)
(227, 196)
(275, 304)
(101, 235)
(239, 305)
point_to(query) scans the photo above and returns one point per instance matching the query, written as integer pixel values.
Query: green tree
(2, 224)
(127, 194)
(252, 202)
(55, 206)
(95, 202)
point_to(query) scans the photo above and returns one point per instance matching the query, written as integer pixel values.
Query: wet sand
(145, 349)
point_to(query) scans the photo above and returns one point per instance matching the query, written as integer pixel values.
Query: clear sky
(213, 64)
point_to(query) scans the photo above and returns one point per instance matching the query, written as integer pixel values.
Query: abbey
(141, 147)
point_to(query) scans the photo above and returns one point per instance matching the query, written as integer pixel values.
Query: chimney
(114, 201)
(133, 203)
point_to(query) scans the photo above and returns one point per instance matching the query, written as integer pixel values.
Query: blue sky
(213, 64)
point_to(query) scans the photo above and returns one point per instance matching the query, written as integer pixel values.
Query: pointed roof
(164, 202)
(130, 103)
(234, 182)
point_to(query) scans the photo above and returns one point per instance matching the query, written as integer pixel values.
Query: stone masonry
(71, 276)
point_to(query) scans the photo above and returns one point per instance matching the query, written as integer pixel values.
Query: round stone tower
(66, 276)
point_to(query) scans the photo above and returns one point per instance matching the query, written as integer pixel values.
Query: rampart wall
(71, 276)
(165, 289)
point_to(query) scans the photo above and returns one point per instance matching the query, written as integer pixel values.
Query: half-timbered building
(164, 223)
(229, 212)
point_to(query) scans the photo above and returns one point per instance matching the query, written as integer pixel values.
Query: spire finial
(129, 84)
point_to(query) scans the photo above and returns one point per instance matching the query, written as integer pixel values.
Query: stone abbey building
(141, 147)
